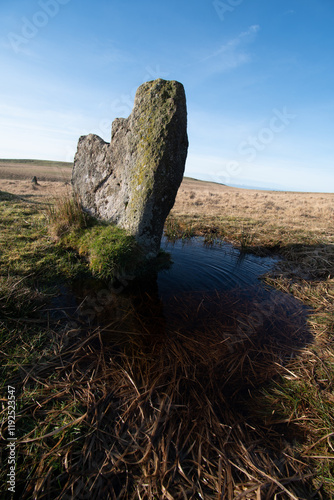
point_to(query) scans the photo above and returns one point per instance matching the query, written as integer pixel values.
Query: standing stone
(133, 181)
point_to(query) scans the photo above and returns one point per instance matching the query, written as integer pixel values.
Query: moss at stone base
(110, 250)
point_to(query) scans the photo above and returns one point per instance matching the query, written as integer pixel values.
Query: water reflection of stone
(122, 310)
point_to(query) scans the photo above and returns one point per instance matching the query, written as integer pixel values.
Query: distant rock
(133, 181)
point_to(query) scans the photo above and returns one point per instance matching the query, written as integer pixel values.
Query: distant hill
(42, 169)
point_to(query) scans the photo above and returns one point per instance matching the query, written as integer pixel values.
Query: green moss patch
(109, 250)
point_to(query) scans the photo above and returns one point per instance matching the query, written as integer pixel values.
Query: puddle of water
(211, 305)
(197, 267)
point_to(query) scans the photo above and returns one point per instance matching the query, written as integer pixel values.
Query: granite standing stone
(133, 180)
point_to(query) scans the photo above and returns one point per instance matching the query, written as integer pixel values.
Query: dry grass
(45, 191)
(302, 211)
(233, 401)
(43, 170)
(65, 215)
(206, 203)
(158, 415)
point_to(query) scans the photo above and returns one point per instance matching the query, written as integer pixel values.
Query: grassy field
(155, 417)
(44, 170)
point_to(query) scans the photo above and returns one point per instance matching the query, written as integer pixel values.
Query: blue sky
(258, 76)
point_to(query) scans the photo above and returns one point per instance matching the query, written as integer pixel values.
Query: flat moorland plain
(45, 170)
(176, 432)
(309, 212)
(197, 201)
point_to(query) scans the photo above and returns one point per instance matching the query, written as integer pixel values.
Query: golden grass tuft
(66, 215)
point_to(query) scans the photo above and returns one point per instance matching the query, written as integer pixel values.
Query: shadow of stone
(28, 198)
(240, 338)
(190, 364)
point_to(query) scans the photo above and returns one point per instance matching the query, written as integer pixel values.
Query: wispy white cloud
(231, 54)
(231, 45)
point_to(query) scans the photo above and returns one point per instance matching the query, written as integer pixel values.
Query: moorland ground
(276, 439)
(198, 201)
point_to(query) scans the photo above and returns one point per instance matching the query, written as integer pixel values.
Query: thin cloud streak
(231, 55)
(247, 36)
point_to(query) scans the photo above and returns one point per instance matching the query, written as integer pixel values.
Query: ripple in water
(197, 267)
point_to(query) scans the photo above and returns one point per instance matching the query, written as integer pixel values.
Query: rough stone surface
(133, 181)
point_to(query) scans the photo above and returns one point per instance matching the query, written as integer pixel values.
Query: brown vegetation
(200, 411)
(309, 211)
(206, 201)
